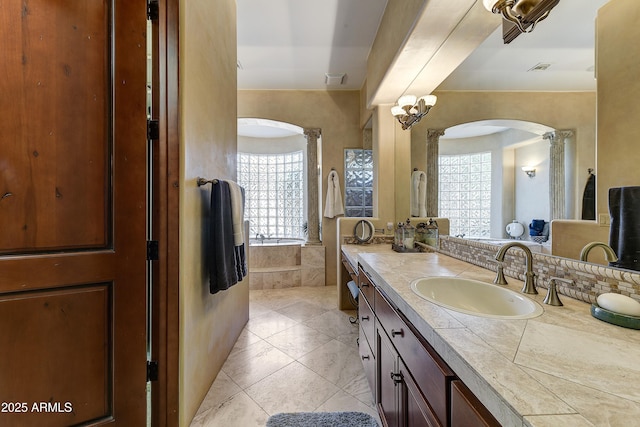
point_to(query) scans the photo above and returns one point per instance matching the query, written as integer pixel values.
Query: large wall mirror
(494, 172)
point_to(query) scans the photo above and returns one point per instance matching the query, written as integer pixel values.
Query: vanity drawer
(366, 319)
(428, 370)
(366, 287)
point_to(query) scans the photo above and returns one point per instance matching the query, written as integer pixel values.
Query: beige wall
(618, 65)
(336, 113)
(209, 324)
(558, 110)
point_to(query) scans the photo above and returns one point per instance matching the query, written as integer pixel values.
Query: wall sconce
(529, 170)
(525, 14)
(410, 110)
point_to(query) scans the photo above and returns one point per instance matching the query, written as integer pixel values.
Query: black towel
(589, 199)
(226, 261)
(624, 234)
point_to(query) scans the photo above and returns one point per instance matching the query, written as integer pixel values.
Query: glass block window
(274, 193)
(358, 187)
(465, 193)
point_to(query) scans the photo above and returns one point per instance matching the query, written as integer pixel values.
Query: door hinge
(153, 251)
(153, 130)
(152, 370)
(153, 10)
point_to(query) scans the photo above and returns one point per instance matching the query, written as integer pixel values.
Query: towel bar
(203, 181)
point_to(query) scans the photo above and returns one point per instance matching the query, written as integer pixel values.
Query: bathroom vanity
(428, 365)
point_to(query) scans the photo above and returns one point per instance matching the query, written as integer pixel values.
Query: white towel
(237, 212)
(333, 205)
(419, 194)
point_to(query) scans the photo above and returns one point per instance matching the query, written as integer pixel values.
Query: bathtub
(285, 263)
(544, 248)
(276, 241)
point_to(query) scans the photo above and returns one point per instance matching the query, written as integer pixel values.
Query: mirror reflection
(494, 175)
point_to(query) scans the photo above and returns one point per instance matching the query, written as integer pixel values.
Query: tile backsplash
(587, 280)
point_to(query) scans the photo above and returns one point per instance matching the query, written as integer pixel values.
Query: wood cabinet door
(73, 212)
(415, 408)
(388, 380)
(467, 410)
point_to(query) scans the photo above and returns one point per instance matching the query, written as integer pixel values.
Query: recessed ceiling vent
(541, 66)
(334, 79)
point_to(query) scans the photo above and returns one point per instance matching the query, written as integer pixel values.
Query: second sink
(476, 298)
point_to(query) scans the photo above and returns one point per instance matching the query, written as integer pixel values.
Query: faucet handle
(552, 292)
(500, 279)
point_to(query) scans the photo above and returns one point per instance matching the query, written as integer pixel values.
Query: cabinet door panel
(388, 404)
(368, 362)
(417, 412)
(467, 410)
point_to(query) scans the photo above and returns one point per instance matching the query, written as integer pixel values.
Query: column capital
(313, 133)
(433, 135)
(558, 135)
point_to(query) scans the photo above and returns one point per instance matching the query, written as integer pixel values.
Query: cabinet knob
(394, 333)
(364, 318)
(365, 357)
(364, 284)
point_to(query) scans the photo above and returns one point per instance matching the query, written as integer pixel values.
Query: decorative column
(313, 216)
(433, 139)
(557, 172)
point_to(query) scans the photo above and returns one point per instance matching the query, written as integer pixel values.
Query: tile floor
(297, 353)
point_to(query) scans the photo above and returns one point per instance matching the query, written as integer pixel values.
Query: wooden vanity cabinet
(412, 385)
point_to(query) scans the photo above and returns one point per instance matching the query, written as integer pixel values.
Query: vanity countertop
(563, 368)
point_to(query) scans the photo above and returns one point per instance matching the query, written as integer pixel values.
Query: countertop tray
(631, 322)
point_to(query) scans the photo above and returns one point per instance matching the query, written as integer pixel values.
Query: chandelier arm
(508, 14)
(533, 24)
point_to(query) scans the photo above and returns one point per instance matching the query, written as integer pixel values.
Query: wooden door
(72, 212)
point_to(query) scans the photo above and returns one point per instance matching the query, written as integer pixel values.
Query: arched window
(274, 192)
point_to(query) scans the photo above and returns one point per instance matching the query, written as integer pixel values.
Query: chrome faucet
(529, 286)
(608, 252)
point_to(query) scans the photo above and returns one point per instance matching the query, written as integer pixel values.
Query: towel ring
(363, 231)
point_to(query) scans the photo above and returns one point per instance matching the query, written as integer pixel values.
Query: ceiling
(292, 44)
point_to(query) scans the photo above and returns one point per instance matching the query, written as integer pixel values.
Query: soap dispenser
(404, 237)
(431, 233)
(409, 235)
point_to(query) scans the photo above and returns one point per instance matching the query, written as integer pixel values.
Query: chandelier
(410, 110)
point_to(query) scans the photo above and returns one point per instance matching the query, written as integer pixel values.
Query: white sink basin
(475, 297)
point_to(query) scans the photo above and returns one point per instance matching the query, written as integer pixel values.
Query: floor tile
(221, 389)
(250, 365)
(341, 402)
(298, 340)
(302, 311)
(297, 353)
(333, 323)
(238, 410)
(335, 361)
(277, 393)
(269, 323)
(245, 339)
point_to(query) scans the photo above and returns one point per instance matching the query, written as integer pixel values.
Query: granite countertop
(563, 368)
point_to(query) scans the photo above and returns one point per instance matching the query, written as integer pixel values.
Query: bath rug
(322, 419)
